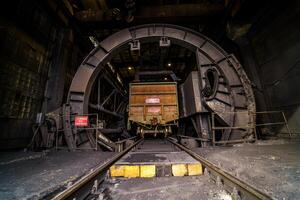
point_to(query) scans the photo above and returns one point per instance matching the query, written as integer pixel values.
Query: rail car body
(153, 107)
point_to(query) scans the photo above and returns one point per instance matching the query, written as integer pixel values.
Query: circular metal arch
(207, 53)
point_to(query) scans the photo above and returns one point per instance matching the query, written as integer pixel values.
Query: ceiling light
(129, 68)
(169, 64)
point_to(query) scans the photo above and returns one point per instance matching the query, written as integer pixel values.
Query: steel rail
(89, 179)
(238, 188)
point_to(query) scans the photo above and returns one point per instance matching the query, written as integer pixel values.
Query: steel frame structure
(237, 95)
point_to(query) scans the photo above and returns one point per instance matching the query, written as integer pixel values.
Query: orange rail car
(153, 107)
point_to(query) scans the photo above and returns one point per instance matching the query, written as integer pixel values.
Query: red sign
(81, 120)
(152, 100)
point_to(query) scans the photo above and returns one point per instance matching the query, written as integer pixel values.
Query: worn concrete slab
(30, 175)
(156, 151)
(155, 145)
(161, 158)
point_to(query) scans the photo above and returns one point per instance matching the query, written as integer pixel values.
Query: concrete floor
(167, 188)
(156, 151)
(30, 175)
(272, 166)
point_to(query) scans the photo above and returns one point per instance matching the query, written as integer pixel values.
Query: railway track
(238, 188)
(88, 186)
(89, 183)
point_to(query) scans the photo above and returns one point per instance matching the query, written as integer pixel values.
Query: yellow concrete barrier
(131, 171)
(179, 170)
(194, 169)
(116, 171)
(147, 171)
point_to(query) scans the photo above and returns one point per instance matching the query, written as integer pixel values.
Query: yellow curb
(179, 170)
(194, 169)
(147, 171)
(131, 171)
(116, 171)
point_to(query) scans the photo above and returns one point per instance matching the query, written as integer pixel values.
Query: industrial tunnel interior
(207, 81)
(152, 99)
(151, 63)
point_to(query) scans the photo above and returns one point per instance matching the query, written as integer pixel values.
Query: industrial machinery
(216, 104)
(153, 107)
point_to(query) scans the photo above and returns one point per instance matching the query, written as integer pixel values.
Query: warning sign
(81, 120)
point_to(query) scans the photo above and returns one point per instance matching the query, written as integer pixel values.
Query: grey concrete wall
(276, 43)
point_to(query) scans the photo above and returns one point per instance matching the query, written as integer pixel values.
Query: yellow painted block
(194, 169)
(116, 170)
(179, 170)
(131, 171)
(148, 171)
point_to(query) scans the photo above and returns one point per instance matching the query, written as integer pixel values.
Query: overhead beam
(125, 62)
(156, 12)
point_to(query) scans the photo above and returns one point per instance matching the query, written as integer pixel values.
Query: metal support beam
(149, 73)
(156, 12)
(108, 97)
(101, 109)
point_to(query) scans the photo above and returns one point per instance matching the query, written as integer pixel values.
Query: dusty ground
(272, 166)
(156, 151)
(29, 175)
(167, 188)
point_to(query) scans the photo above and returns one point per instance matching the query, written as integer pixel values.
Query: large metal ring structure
(237, 92)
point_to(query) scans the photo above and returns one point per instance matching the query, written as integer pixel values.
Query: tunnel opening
(211, 87)
(109, 96)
